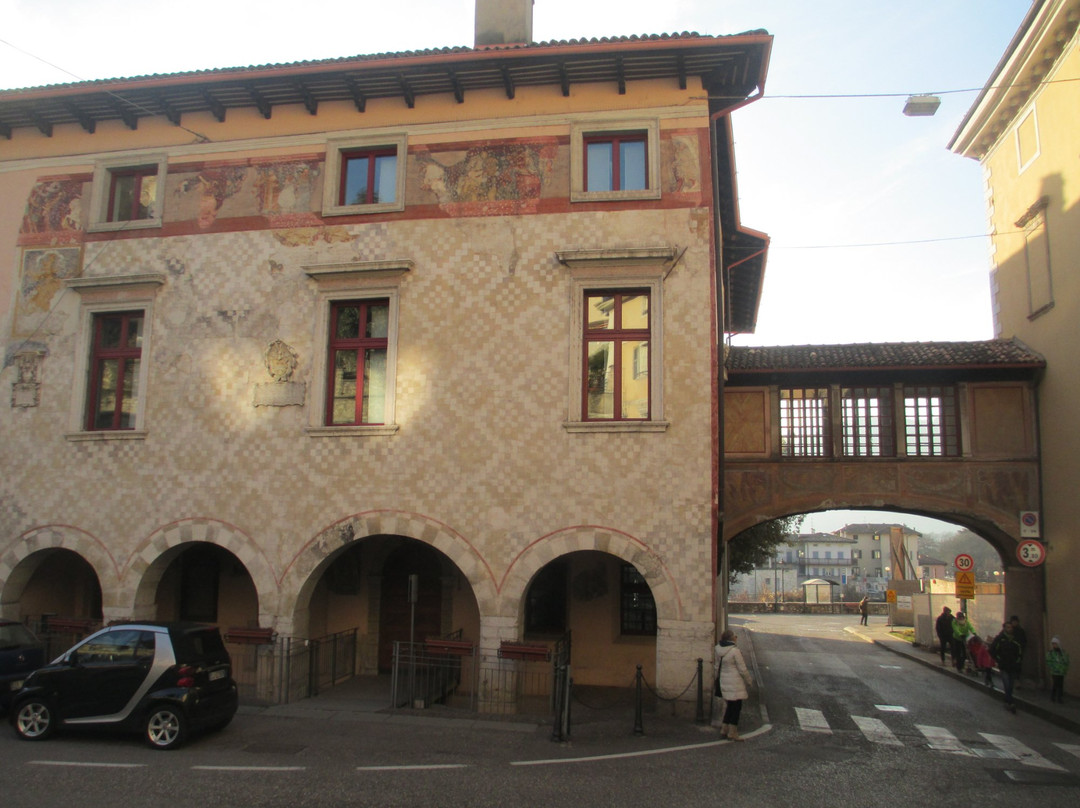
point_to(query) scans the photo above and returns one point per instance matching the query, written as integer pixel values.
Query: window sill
(615, 426)
(130, 224)
(614, 196)
(106, 435)
(383, 430)
(357, 210)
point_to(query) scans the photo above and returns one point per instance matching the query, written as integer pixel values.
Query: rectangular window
(364, 175)
(875, 554)
(867, 418)
(805, 428)
(637, 613)
(1037, 260)
(931, 421)
(128, 195)
(356, 366)
(368, 177)
(133, 194)
(616, 162)
(115, 357)
(616, 348)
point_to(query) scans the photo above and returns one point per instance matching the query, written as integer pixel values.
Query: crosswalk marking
(939, 739)
(1071, 748)
(812, 720)
(1025, 754)
(942, 740)
(875, 730)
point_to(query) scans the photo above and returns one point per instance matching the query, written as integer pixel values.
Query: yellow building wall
(1054, 174)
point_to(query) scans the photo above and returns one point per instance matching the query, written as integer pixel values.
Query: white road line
(875, 730)
(412, 768)
(891, 708)
(1025, 754)
(942, 740)
(1071, 748)
(812, 720)
(249, 768)
(643, 753)
(85, 765)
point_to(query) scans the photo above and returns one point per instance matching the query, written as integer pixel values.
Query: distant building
(882, 552)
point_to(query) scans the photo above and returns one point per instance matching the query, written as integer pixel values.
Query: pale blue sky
(813, 172)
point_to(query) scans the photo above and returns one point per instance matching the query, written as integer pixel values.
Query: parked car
(163, 680)
(20, 653)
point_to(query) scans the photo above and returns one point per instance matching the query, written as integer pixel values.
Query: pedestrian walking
(864, 610)
(732, 682)
(1057, 662)
(943, 629)
(1018, 633)
(1008, 653)
(961, 630)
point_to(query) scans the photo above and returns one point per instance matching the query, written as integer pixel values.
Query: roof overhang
(1047, 28)
(730, 63)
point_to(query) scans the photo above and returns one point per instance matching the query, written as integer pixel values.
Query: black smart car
(163, 680)
(20, 653)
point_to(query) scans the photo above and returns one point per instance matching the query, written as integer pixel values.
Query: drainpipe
(720, 573)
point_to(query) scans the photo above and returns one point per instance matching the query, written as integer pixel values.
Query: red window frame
(617, 335)
(371, 155)
(139, 175)
(359, 345)
(123, 355)
(616, 140)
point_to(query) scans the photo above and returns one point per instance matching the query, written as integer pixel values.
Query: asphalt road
(842, 723)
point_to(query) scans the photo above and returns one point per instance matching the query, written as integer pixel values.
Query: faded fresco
(495, 179)
(43, 276)
(54, 206)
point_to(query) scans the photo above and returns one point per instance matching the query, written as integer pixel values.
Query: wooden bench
(249, 636)
(69, 625)
(436, 645)
(527, 652)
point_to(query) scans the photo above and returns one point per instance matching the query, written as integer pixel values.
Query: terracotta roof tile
(996, 353)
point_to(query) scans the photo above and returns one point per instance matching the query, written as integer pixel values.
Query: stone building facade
(184, 436)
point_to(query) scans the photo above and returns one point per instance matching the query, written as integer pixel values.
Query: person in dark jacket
(943, 629)
(1008, 653)
(864, 610)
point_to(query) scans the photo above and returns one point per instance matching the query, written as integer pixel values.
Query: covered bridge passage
(941, 429)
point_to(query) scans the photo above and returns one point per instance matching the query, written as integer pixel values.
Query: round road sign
(964, 562)
(1030, 553)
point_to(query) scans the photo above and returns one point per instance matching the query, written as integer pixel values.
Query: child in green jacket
(1057, 662)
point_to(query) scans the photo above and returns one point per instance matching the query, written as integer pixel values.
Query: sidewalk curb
(1022, 704)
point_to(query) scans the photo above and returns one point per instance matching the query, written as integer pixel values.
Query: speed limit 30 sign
(964, 562)
(1030, 553)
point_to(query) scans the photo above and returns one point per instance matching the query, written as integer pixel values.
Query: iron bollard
(639, 729)
(700, 715)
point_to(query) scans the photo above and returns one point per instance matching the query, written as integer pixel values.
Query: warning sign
(965, 585)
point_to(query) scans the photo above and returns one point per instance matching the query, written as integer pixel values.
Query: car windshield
(16, 635)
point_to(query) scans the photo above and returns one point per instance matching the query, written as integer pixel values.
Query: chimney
(503, 22)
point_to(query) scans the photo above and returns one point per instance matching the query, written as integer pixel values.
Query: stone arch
(590, 537)
(23, 556)
(152, 557)
(302, 573)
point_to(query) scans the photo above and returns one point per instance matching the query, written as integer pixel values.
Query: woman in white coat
(730, 668)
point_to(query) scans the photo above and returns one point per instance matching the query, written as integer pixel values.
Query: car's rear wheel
(165, 727)
(34, 719)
